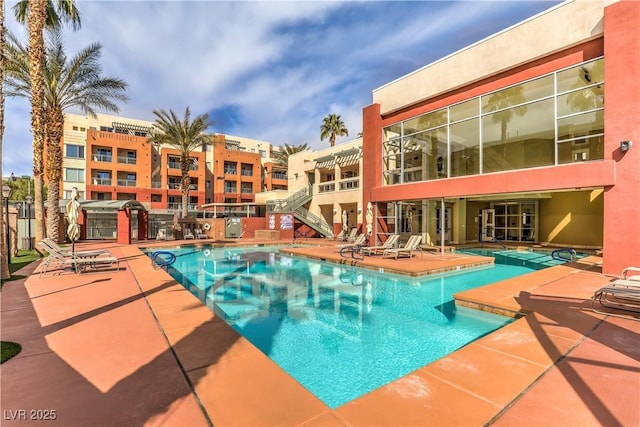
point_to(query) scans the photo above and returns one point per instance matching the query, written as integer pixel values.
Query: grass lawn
(9, 349)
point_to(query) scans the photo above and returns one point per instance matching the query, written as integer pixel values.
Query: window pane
(435, 148)
(580, 100)
(391, 132)
(426, 121)
(519, 94)
(465, 147)
(581, 125)
(464, 110)
(519, 138)
(581, 76)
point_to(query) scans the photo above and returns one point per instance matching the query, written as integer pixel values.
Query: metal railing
(314, 221)
(178, 206)
(126, 183)
(292, 202)
(102, 158)
(101, 181)
(127, 160)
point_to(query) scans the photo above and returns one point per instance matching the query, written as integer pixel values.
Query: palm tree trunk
(4, 266)
(186, 183)
(53, 137)
(36, 20)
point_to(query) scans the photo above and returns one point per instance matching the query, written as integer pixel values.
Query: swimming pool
(536, 260)
(339, 331)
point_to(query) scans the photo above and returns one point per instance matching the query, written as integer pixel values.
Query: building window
(74, 151)
(263, 154)
(102, 155)
(74, 127)
(74, 175)
(156, 198)
(69, 193)
(553, 119)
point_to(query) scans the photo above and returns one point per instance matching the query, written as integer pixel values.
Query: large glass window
(74, 151)
(464, 139)
(527, 125)
(74, 175)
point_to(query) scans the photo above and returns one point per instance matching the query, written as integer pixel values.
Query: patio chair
(188, 234)
(162, 234)
(631, 273)
(359, 241)
(616, 297)
(376, 250)
(79, 262)
(201, 234)
(353, 235)
(413, 244)
(53, 245)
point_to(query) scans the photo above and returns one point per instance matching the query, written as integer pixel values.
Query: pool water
(339, 331)
(535, 260)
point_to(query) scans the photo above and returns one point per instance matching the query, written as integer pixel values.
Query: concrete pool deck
(133, 347)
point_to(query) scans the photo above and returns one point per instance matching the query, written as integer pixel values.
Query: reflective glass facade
(553, 119)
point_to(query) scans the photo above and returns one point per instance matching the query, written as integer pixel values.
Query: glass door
(488, 225)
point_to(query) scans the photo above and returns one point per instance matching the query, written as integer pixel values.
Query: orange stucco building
(497, 142)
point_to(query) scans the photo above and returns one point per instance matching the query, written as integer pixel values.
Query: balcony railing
(156, 184)
(126, 183)
(247, 190)
(176, 165)
(247, 173)
(230, 189)
(279, 176)
(102, 157)
(178, 206)
(326, 188)
(350, 184)
(127, 160)
(101, 181)
(230, 171)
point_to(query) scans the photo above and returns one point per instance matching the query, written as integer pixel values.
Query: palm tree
(39, 14)
(185, 136)
(75, 82)
(4, 266)
(331, 127)
(502, 100)
(282, 155)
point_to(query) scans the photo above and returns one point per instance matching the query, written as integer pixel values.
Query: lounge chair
(188, 234)
(359, 241)
(201, 234)
(631, 273)
(617, 297)
(55, 247)
(376, 250)
(413, 244)
(352, 235)
(162, 234)
(79, 262)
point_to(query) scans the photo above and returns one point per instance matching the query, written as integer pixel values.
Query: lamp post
(28, 200)
(6, 193)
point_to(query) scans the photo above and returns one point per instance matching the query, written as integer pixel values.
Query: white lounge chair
(188, 234)
(162, 234)
(79, 261)
(388, 244)
(201, 234)
(617, 297)
(351, 237)
(631, 273)
(413, 244)
(359, 241)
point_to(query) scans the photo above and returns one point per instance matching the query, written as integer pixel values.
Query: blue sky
(269, 70)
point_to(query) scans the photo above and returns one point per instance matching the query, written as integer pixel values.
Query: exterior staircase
(295, 204)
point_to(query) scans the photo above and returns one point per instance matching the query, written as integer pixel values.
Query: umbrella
(73, 213)
(369, 218)
(345, 226)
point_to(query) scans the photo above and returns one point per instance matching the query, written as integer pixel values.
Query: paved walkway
(132, 347)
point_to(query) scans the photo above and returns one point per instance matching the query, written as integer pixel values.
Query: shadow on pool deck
(134, 348)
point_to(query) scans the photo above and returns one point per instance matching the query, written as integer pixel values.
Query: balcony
(326, 188)
(127, 160)
(276, 175)
(126, 183)
(230, 189)
(156, 184)
(350, 184)
(247, 190)
(247, 172)
(101, 181)
(230, 171)
(172, 164)
(176, 206)
(102, 158)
